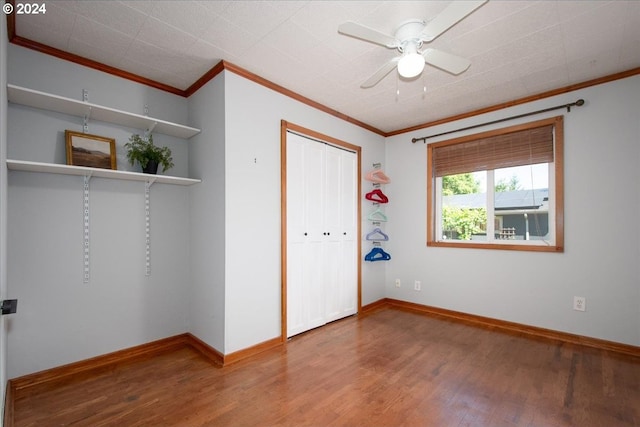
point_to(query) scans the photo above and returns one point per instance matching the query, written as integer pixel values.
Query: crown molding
(206, 77)
(11, 22)
(80, 60)
(209, 75)
(291, 94)
(519, 101)
(227, 66)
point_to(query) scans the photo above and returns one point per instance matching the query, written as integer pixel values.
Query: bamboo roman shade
(523, 147)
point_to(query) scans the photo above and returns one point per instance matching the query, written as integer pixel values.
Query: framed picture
(94, 151)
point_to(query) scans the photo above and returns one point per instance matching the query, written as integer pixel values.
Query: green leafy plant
(463, 183)
(143, 150)
(463, 221)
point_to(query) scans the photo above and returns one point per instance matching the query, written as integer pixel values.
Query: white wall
(252, 204)
(3, 206)
(46, 73)
(46, 143)
(207, 214)
(602, 249)
(60, 319)
(205, 275)
(216, 245)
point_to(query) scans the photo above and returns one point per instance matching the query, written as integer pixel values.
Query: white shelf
(26, 166)
(60, 104)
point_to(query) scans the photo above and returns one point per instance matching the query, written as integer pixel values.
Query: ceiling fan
(409, 39)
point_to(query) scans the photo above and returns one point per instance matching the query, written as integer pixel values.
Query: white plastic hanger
(377, 234)
(377, 215)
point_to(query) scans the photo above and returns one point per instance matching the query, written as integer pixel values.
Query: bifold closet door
(321, 227)
(305, 176)
(341, 291)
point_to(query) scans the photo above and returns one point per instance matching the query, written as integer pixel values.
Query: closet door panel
(296, 240)
(333, 193)
(333, 244)
(305, 207)
(296, 293)
(349, 288)
(314, 289)
(314, 205)
(333, 280)
(349, 218)
(349, 201)
(321, 230)
(296, 188)
(314, 176)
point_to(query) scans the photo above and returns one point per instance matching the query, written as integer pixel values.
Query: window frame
(556, 208)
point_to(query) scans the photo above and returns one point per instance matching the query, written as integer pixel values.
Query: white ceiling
(517, 48)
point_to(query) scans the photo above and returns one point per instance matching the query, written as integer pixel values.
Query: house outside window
(500, 189)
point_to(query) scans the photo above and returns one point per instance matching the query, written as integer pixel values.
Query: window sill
(499, 246)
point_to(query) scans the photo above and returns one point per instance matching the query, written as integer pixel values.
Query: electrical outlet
(397, 283)
(417, 285)
(579, 303)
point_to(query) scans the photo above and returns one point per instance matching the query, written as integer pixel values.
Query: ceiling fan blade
(361, 32)
(453, 14)
(380, 74)
(445, 61)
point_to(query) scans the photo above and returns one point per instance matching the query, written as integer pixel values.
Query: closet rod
(578, 103)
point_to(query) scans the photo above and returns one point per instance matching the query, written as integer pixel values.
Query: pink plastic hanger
(377, 175)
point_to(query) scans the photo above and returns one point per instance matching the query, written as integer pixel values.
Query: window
(501, 189)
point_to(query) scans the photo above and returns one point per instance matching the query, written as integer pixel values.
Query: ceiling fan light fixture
(410, 65)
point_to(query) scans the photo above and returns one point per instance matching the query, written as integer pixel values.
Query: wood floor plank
(388, 368)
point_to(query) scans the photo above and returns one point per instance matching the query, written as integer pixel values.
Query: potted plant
(149, 156)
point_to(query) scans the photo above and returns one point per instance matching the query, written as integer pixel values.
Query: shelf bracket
(147, 225)
(86, 232)
(148, 131)
(85, 121)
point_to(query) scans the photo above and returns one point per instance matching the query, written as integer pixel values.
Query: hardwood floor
(388, 368)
